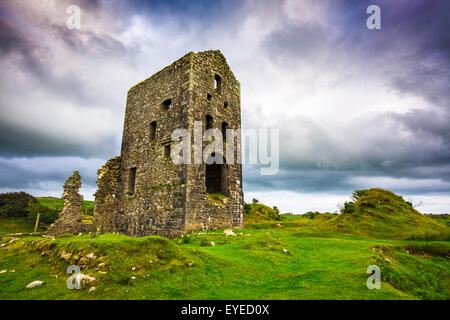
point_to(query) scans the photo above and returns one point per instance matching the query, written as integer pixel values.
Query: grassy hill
(381, 213)
(58, 203)
(257, 212)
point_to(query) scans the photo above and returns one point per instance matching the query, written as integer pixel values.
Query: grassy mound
(257, 212)
(381, 213)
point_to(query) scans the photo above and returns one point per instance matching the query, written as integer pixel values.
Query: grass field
(320, 256)
(16, 225)
(254, 265)
(57, 203)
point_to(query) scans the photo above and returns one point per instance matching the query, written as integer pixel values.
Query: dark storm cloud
(39, 172)
(11, 40)
(411, 53)
(16, 140)
(38, 61)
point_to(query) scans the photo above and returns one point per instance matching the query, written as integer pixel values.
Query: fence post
(37, 222)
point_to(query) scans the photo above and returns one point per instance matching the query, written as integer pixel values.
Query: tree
(14, 204)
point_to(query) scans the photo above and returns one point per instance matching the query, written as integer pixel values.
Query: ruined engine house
(156, 196)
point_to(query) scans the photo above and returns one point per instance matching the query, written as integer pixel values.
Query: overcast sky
(356, 108)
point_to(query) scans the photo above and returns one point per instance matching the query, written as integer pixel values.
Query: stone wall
(155, 205)
(223, 105)
(69, 219)
(106, 196)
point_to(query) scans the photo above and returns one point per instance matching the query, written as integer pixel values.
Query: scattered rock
(12, 271)
(92, 289)
(285, 251)
(46, 253)
(133, 269)
(13, 240)
(150, 261)
(229, 232)
(212, 243)
(278, 225)
(66, 255)
(84, 260)
(91, 256)
(190, 264)
(34, 284)
(103, 272)
(85, 279)
(2, 245)
(3, 271)
(387, 260)
(133, 278)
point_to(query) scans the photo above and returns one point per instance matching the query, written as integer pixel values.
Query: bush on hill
(15, 204)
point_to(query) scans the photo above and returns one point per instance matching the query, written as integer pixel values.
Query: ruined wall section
(223, 105)
(69, 219)
(156, 205)
(107, 196)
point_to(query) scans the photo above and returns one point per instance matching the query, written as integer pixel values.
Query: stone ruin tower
(69, 219)
(154, 195)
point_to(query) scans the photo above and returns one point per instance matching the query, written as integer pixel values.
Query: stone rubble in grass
(34, 284)
(229, 232)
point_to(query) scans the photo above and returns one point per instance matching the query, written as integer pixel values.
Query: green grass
(292, 257)
(318, 265)
(16, 225)
(58, 203)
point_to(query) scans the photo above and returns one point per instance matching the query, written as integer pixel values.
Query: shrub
(358, 194)
(47, 215)
(311, 215)
(15, 204)
(349, 207)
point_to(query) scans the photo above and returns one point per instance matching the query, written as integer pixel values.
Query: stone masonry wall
(156, 203)
(69, 220)
(106, 196)
(223, 105)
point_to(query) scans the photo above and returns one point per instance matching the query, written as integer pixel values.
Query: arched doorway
(216, 177)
